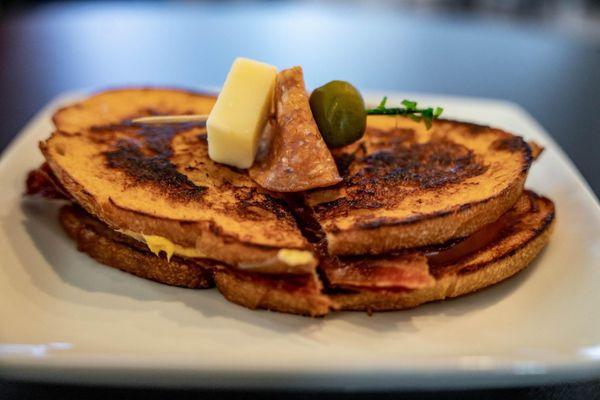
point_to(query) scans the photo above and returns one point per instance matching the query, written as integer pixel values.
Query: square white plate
(66, 318)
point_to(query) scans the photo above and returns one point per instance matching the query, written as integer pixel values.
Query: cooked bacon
(468, 245)
(461, 248)
(409, 271)
(298, 159)
(414, 270)
(43, 182)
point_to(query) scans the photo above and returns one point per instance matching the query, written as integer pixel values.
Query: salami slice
(298, 159)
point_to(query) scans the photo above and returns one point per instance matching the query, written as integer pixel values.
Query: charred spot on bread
(129, 158)
(145, 157)
(381, 179)
(254, 201)
(510, 143)
(426, 165)
(380, 138)
(516, 144)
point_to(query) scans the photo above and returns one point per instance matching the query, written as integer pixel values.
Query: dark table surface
(55, 48)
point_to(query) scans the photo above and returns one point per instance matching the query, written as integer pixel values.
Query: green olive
(339, 110)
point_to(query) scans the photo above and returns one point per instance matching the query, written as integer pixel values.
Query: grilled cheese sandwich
(418, 216)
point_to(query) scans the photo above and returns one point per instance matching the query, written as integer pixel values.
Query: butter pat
(238, 117)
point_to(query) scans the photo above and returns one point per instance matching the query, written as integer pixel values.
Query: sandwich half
(406, 186)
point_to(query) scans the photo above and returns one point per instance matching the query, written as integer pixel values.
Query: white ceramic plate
(66, 318)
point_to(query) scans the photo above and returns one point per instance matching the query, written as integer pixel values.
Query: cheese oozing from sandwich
(156, 244)
(240, 113)
(296, 260)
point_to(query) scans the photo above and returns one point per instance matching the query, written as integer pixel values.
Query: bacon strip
(43, 182)
(414, 270)
(409, 271)
(298, 159)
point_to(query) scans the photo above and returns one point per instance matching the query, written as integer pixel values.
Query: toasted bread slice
(159, 180)
(528, 229)
(119, 251)
(405, 186)
(297, 294)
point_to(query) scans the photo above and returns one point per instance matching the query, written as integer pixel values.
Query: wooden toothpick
(171, 119)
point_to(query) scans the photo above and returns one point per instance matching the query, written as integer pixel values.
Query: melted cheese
(157, 244)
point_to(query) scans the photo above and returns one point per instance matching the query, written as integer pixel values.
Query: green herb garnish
(427, 115)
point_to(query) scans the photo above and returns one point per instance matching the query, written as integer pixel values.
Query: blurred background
(543, 55)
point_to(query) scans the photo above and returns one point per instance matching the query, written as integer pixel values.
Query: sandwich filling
(301, 260)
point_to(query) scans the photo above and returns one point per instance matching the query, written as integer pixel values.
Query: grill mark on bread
(396, 168)
(129, 158)
(512, 144)
(253, 200)
(427, 165)
(515, 144)
(145, 157)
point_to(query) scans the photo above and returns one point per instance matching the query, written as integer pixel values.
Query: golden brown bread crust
(253, 293)
(94, 240)
(160, 181)
(514, 251)
(405, 186)
(110, 107)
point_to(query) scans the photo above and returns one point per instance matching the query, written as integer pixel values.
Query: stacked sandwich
(403, 216)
